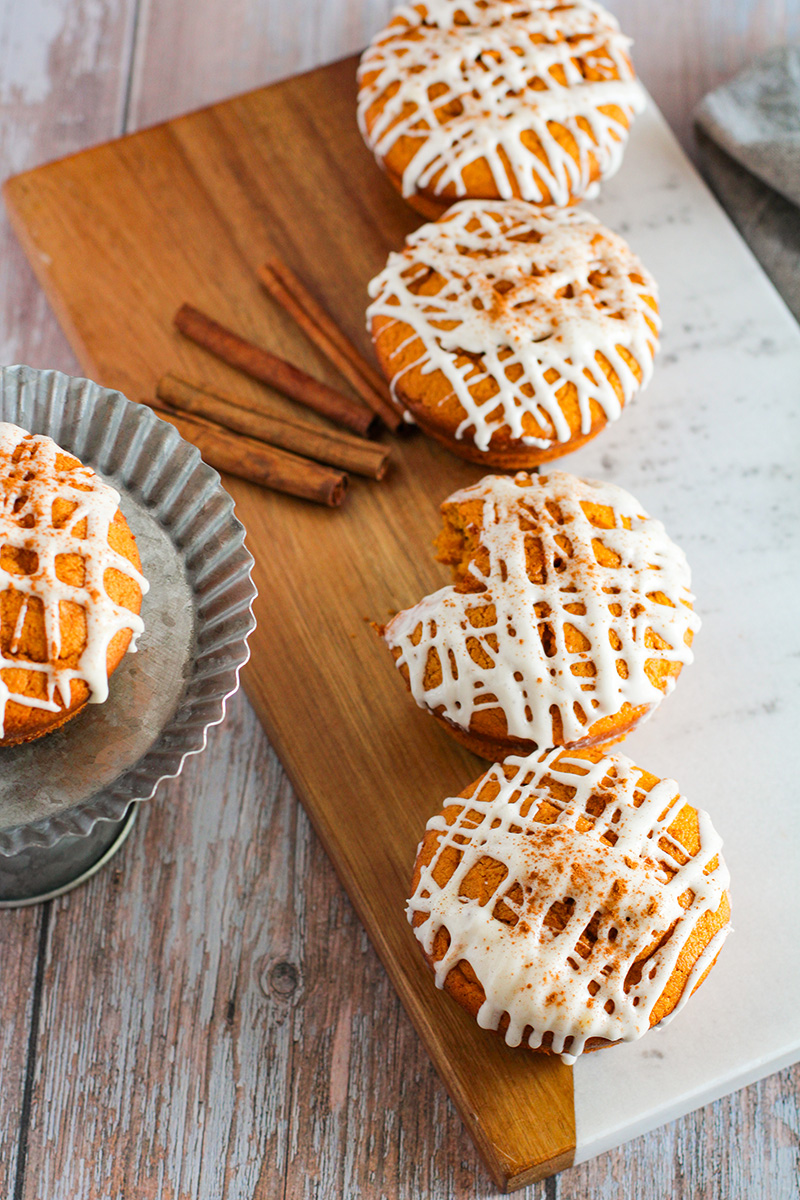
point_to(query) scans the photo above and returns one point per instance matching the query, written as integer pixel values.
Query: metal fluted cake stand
(68, 800)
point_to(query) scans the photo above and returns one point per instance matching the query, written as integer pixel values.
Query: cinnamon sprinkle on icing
(629, 898)
(530, 300)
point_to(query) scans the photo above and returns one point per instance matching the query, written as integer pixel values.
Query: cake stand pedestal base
(41, 873)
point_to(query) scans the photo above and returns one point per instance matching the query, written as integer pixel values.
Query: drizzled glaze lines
(608, 860)
(530, 300)
(514, 668)
(31, 484)
(518, 78)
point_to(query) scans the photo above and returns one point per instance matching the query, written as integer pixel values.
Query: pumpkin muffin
(569, 619)
(570, 901)
(497, 99)
(70, 586)
(513, 335)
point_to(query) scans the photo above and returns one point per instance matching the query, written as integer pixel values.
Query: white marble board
(712, 448)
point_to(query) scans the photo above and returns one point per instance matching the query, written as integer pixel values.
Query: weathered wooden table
(206, 1018)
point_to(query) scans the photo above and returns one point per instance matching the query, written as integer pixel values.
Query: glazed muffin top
(577, 899)
(70, 584)
(498, 98)
(569, 601)
(503, 319)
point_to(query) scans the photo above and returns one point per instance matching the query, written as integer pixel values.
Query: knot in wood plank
(281, 980)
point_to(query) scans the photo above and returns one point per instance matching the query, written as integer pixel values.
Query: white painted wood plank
(167, 1031)
(684, 48)
(63, 76)
(193, 54)
(19, 940)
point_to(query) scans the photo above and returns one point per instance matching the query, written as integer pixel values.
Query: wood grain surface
(341, 1099)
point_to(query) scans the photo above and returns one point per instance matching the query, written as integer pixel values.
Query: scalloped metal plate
(198, 616)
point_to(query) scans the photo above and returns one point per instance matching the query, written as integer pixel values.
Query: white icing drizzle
(523, 679)
(525, 307)
(535, 973)
(486, 70)
(29, 487)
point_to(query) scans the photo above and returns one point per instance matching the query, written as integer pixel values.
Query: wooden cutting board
(119, 237)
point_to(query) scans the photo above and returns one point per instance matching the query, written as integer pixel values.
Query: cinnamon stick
(268, 368)
(354, 454)
(293, 296)
(258, 463)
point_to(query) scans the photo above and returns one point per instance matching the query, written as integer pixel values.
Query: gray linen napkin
(753, 122)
